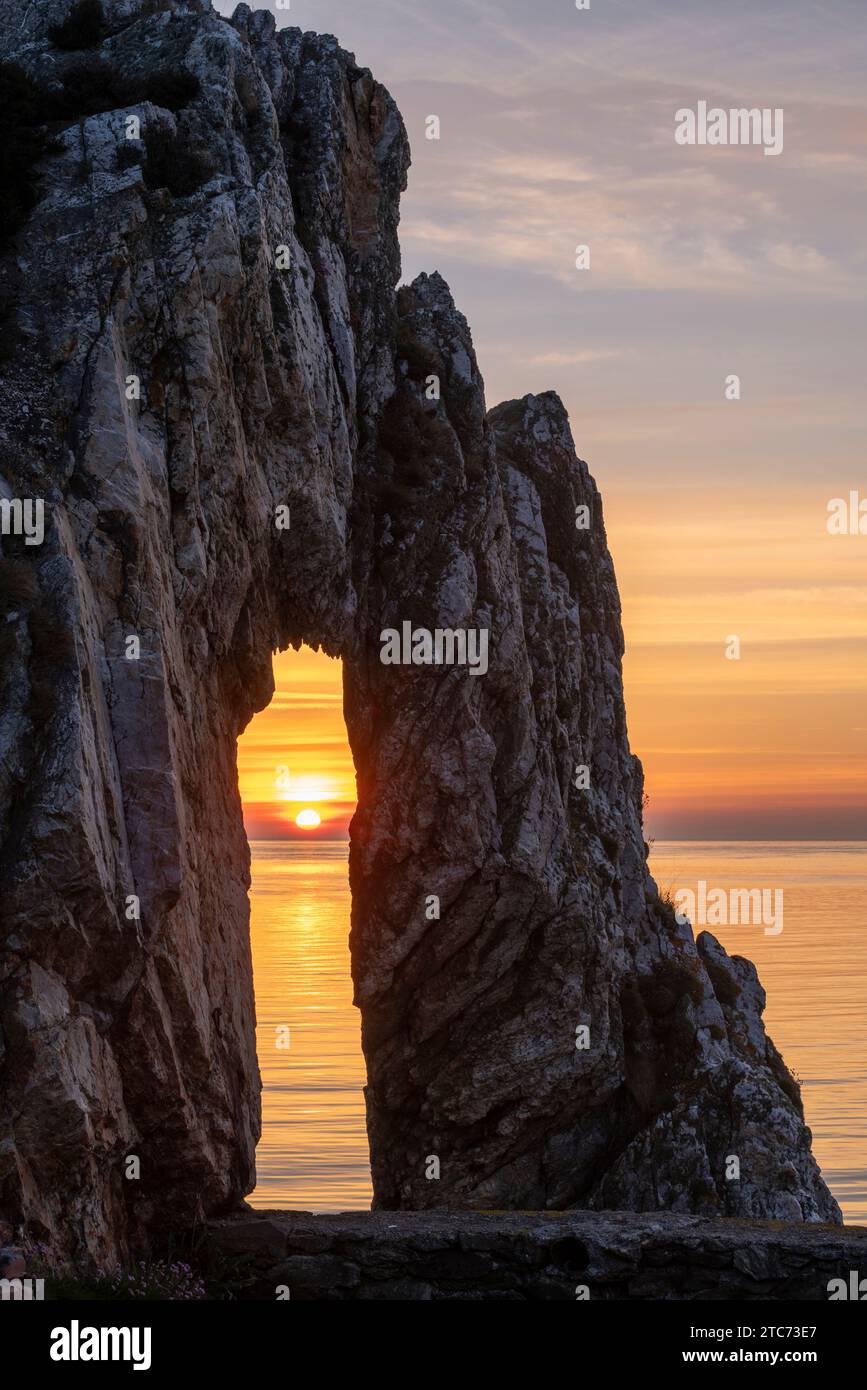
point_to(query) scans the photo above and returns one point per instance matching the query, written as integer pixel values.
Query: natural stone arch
(303, 386)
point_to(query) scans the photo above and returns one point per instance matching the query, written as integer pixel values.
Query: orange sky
(295, 754)
(773, 745)
(558, 130)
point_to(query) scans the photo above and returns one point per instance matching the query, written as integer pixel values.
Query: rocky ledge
(405, 1256)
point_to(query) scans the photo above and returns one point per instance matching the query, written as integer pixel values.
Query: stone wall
(533, 1256)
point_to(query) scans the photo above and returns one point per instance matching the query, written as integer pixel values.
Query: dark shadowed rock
(12, 1263)
(544, 1256)
(240, 262)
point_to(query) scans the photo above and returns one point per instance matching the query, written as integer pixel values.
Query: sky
(294, 756)
(557, 130)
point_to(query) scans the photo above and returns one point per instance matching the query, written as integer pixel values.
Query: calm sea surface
(313, 1151)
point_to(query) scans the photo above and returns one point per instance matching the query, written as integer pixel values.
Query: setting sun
(308, 820)
(294, 756)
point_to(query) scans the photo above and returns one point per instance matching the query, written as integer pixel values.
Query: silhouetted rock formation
(205, 329)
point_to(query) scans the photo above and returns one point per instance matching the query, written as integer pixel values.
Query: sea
(313, 1152)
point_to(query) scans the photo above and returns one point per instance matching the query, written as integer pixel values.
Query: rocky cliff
(244, 437)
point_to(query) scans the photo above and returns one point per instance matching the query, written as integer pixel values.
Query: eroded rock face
(549, 919)
(240, 263)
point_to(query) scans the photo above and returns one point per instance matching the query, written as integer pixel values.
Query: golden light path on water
(313, 1152)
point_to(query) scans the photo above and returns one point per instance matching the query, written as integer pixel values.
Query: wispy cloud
(557, 130)
(576, 359)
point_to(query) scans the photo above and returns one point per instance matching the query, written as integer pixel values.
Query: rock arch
(305, 387)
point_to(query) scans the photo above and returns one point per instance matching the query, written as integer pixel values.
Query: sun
(308, 820)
